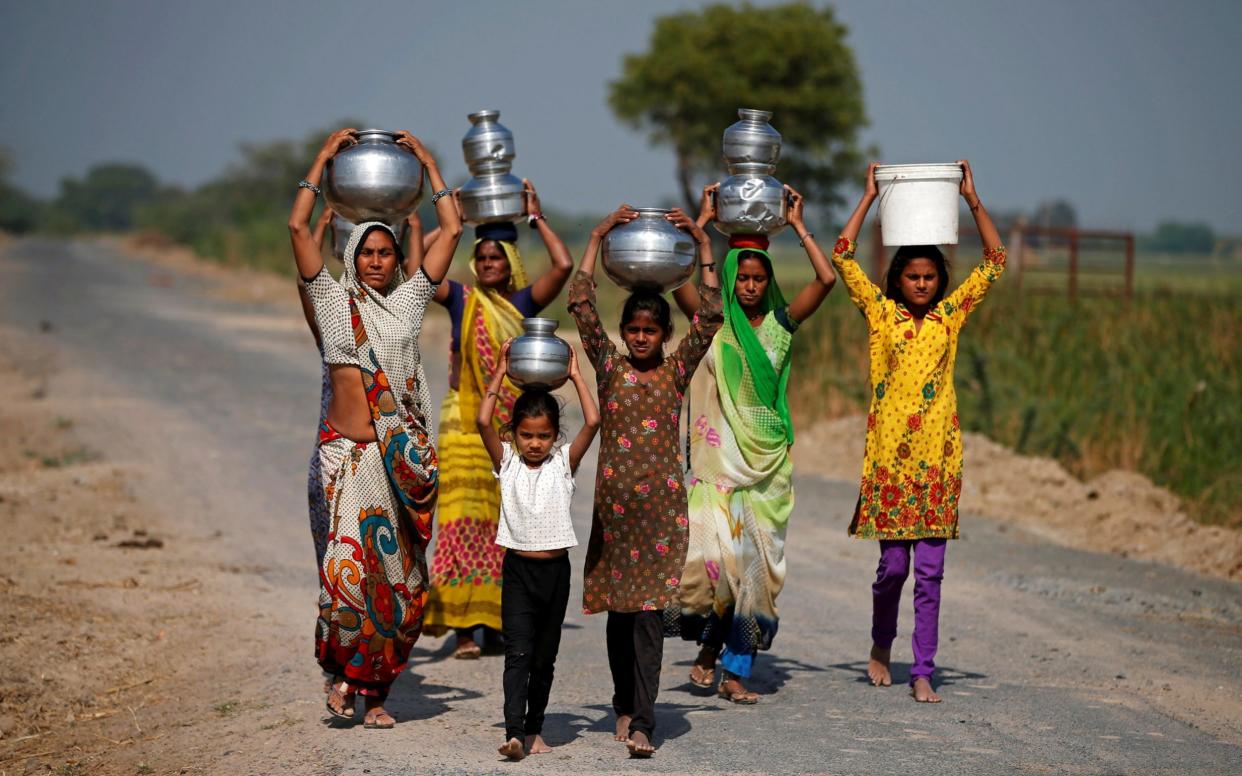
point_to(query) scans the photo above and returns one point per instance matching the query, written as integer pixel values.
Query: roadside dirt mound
(1120, 512)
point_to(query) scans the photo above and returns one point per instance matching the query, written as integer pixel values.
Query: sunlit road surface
(1051, 660)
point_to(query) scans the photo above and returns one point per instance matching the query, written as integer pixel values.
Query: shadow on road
(945, 675)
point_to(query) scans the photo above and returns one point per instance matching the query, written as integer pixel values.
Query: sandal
(740, 696)
(702, 676)
(468, 651)
(378, 719)
(344, 697)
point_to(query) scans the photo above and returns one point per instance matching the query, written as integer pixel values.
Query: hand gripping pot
(539, 358)
(374, 180)
(648, 252)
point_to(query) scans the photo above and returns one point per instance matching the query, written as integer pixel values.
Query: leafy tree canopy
(791, 59)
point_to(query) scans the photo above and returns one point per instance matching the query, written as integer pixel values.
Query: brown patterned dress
(639, 528)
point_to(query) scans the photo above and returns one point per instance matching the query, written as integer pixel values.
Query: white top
(534, 503)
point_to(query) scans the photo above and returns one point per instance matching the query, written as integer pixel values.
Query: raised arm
(305, 250)
(548, 285)
(440, 254)
(687, 294)
(967, 296)
(703, 243)
(590, 413)
(414, 250)
(864, 294)
(812, 296)
(308, 309)
(487, 431)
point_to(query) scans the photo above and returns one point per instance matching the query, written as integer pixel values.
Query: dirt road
(202, 405)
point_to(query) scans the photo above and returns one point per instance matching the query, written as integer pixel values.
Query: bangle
(804, 238)
(708, 265)
(492, 393)
(305, 184)
(442, 193)
(534, 220)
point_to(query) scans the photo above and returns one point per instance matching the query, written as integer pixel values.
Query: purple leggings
(890, 577)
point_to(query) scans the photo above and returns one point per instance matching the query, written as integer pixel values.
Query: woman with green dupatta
(741, 494)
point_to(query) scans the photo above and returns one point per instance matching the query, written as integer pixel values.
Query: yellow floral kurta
(912, 468)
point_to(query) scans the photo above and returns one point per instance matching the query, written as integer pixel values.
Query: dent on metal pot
(648, 252)
(539, 358)
(492, 194)
(374, 180)
(750, 200)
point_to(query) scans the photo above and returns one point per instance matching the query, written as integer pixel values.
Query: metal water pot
(488, 146)
(493, 194)
(751, 145)
(648, 252)
(750, 200)
(750, 204)
(490, 198)
(342, 230)
(374, 180)
(539, 358)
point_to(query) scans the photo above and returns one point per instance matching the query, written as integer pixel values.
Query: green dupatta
(770, 386)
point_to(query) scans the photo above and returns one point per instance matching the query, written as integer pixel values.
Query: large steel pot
(374, 180)
(539, 358)
(648, 252)
(492, 194)
(750, 204)
(751, 145)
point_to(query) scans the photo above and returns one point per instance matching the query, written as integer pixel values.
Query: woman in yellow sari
(465, 570)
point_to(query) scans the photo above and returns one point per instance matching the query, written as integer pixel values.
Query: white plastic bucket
(918, 203)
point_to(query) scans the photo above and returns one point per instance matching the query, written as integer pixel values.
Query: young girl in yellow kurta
(912, 469)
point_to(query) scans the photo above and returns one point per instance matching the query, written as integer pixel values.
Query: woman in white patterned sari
(379, 469)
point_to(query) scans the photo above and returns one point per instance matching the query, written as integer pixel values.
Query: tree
(791, 59)
(106, 198)
(1179, 237)
(19, 212)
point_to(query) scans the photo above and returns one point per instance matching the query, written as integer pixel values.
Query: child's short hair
(534, 403)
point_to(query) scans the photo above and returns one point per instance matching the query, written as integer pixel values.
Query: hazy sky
(1128, 109)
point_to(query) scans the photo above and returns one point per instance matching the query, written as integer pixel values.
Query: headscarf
(389, 333)
(770, 386)
(489, 319)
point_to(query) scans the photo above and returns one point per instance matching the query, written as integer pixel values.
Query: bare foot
(512, 749)
(877, 667)
(639, 745)
(623, 727)
(923, 692)
(536, 745)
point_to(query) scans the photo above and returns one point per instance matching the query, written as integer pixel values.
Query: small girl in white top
(536, 484)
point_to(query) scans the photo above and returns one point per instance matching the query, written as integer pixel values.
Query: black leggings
(635, 651)
(534, 594)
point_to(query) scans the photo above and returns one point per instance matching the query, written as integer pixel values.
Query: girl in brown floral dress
(639, 528)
